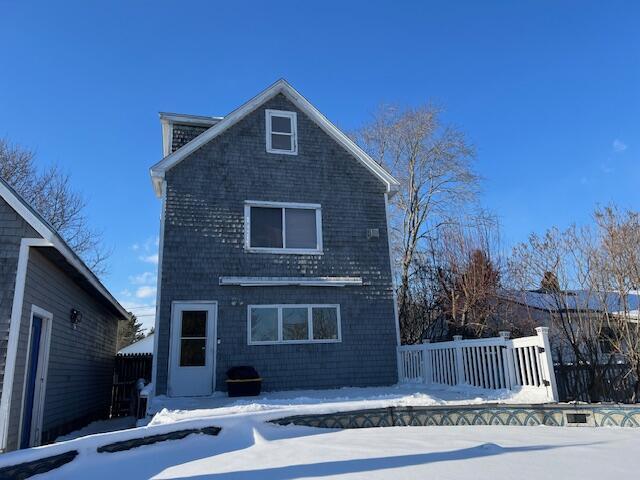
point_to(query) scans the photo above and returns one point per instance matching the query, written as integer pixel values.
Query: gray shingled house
(274, 252)
(58, 327)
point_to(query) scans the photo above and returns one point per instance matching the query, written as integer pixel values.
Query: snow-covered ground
(255, 450)
(280, 404)
(250, 448)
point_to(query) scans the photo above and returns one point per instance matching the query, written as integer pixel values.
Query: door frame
(37, 413)
(195, 304)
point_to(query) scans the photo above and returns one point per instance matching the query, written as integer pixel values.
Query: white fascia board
(281, 86)
(48, 233)
(184, 119)
(291, 281)
(334, 132)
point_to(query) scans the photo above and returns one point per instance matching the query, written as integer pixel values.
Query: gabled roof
(44, 228)
(281, 86)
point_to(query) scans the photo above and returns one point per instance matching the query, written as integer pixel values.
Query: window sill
(285, 251)
(282, 152)
(295, 342)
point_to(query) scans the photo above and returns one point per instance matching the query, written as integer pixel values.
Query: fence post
(546, 361)
(401, 374)
(426, 362)
(459, 361)
(509, 360)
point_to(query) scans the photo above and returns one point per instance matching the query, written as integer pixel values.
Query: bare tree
(563, 264)
(50, 193)
(422, 316)
(617, 275)
(434, 165)
(469, 278)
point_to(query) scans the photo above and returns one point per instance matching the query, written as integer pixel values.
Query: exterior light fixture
(76, 317)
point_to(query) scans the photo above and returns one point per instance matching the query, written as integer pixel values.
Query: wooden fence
(489, 363)
(576, 382)
(124, 394)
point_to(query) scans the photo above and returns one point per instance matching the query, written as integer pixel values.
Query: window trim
(282, 205)
(293, 116)
(309, 307)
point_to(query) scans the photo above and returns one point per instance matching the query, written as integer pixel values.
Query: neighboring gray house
(274, 252)
(58, 328)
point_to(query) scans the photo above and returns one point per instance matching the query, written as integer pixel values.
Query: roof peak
(284, 87)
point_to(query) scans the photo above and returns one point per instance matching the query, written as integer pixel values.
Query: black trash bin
(243, 381)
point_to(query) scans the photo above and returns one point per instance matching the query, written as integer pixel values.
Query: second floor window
(283, 227)
(282, 132)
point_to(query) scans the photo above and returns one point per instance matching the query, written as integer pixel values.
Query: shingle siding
(80, 371)
(184, 134)
(204, 239)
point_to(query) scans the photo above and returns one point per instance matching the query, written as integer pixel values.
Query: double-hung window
(283, 227)
(282, 132)
(268, 324)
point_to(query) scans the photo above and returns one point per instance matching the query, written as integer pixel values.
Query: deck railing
(489, 363)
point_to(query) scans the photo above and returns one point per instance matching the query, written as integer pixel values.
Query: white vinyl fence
(490, 363)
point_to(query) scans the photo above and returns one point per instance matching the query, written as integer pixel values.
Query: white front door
(193, 347)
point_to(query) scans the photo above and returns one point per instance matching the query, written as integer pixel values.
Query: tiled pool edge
(151, 439)
(557, 415)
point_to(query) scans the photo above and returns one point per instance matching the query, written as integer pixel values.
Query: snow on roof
(141, 346)
(574, 300)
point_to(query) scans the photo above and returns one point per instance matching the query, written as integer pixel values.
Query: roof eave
(40, 225)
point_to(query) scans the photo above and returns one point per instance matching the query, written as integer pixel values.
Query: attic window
(282, 132)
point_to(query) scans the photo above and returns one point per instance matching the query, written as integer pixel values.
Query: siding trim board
(14, 333)
(291, 281)
(156, 334)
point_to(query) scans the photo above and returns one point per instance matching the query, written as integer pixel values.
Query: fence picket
(499, 359)
(476, 376)
(523, 376)
(534, 366)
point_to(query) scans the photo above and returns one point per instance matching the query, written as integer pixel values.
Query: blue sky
(548, 91)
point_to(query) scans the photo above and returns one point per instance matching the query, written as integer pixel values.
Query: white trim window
(282, 132)
(292, 323)
(276, 227)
